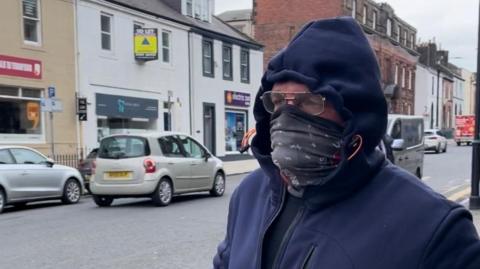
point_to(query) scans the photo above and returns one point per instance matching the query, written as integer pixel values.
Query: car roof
(15, 147)
(150, 134)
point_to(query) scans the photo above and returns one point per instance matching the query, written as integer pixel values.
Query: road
(449, 173)
(132, 234)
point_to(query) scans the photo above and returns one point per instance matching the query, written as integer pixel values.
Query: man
(324, 196)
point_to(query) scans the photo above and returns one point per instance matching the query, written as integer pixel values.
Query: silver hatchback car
(26, 175)
(156, 165)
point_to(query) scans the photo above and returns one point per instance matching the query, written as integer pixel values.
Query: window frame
(110, 34)
(12, 152)
(403, 77)
(38, 25)
(209, 58)
(245, 65)
(168, 47)
(389, 26)
(374, 20)
(227, 62)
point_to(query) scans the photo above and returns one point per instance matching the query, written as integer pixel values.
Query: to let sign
(237, 99)
(20, 67)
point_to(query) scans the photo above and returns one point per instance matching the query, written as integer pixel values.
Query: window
(167, 121)
(227, 62)
(208, 68)
(235, 125)
(412, 41)
(6, 157)
(106, 31)
(198, 9)
(389, 27)
(374, 20)
(25, 156)
(399, 30)
(171, 147)
(20, 113)
(166, 46)
(31, 20)
(244, 65)
(433, 83)
(192, 148)
(189, 8)
(122, 147)
(365, 13)
(137, 25)
(404, 41)
(354, 8)
(403, 77)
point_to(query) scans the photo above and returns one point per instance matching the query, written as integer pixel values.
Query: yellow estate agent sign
(145, 44)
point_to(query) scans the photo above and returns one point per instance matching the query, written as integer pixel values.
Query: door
(37, 179)
(202, 169)
(176, 162)
(209, 126)
(9, 173)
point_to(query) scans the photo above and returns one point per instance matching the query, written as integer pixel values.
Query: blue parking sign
(51, 92)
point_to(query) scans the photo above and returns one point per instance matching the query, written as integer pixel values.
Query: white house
(202, 83)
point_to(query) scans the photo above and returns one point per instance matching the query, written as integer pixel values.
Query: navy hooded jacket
(371, 214)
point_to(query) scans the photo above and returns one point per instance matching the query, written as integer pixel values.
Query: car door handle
(171, 163)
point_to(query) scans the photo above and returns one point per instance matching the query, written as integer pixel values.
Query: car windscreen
(121, 147)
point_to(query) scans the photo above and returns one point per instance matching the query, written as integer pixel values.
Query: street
(135, 234)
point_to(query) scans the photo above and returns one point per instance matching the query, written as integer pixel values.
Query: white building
(469, 93)
(203, 82)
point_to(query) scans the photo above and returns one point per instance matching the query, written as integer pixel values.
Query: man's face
(297, 94)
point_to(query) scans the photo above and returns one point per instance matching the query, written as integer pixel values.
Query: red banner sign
(20, 67)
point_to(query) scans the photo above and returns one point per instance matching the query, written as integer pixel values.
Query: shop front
(236, 119)
(118, 114)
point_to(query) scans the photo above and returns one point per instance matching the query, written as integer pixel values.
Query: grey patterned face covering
(305, 147)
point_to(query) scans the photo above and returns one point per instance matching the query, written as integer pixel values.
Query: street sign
(82, 108)
(57, 105)
(51, 92)
(46, 105)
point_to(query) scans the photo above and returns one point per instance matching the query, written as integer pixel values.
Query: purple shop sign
(237, 99)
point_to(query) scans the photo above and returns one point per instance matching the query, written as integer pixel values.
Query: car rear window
(122, 147)
(428, 133)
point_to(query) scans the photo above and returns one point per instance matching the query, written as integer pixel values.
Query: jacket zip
(287, 236)
(308, 258)
(275, 215)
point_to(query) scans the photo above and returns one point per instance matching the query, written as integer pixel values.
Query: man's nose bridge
(290, 101)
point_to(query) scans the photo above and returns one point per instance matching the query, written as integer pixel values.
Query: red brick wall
(277, 21)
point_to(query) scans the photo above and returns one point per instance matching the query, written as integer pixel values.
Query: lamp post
(474, 194)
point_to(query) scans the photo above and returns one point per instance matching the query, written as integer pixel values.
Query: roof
(236, 15)
(217, 28)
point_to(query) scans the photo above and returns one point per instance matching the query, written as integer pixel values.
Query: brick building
(393, 40)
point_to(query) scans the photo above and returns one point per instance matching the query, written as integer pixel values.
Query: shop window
(166, 46)
(20, 111)
(227, 62)
(106, 31)
(110, 126)
(235, 124)
(245, 65)
(207, 49)
(31, 20)
(137, 25)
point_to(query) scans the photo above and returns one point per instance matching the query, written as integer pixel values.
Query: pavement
(246, 166)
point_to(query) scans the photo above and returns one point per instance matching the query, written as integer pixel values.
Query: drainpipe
(77, 81)
(190, 83)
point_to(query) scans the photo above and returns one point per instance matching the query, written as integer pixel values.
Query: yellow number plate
(118, 175)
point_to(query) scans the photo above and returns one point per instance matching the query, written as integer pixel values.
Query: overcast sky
(453, 23)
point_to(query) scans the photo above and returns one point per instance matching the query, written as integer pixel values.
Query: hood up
(333, 58)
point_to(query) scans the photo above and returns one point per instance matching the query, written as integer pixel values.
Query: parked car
(435, 140)
(407, 145)
(156, 165)
(26, 175)
(86, 166)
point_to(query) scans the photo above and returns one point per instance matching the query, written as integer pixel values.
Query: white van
(408, 148)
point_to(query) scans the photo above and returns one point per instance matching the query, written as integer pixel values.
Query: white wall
(426, 95)
(469, 93)
(212, 90)
(118, 73)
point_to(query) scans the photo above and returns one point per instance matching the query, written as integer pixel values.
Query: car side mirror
(49, 162)
(398, 144)
(207, 155)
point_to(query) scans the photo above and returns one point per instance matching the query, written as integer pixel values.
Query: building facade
(201, 80)
(469, 94)
(37, 61)
(239, 19)
(392, 39)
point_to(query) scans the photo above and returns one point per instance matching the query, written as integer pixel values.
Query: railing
(70, 159)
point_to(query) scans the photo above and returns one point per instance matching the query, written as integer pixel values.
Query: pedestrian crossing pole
(474, 194)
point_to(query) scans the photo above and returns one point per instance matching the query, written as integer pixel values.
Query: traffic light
(82, 108)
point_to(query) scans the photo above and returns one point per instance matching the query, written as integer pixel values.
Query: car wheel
(218, 188)
(437, 149)
(3, 200)
(163, 193)
(459, 144)
(445, 148)
(102, 201)
(71, 192)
